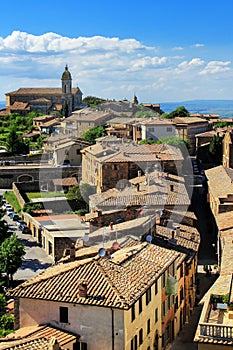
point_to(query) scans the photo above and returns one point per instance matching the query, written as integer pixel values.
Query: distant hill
(222, 107)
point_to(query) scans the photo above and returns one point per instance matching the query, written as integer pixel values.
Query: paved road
(35, 259)
(207, 255)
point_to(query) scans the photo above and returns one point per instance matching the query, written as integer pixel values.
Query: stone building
(227, 158)
(122, 302)
(45, 100)
(109, 165)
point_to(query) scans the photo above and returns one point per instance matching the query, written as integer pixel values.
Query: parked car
(10, 211)
(26, 230)
(14, 216)
(21, 222)
(65, 163)
(6, 206)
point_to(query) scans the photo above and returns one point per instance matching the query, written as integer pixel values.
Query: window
(156, 286)
(169, 129)
(156, 315)
(181, 294)
(80, 346)
(148, 326)
(148, 296)
(140, 305)
(140, 336)
(63, 314)
(133, 313)
(176, 303)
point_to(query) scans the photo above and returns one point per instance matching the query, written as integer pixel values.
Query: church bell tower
(67, 89)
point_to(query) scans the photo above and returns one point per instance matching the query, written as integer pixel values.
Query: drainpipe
(113, 338)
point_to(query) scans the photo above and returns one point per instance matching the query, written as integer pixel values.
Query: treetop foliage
(181, 112)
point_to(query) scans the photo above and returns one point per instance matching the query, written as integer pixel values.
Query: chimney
(72, 252)
(177, 228)
(82, 290)
(173, 234)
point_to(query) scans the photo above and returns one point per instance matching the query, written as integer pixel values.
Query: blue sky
(160, 50)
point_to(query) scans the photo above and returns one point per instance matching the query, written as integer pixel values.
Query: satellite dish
(115, 246)
(101, 252)
(149, 238)
(85, 238)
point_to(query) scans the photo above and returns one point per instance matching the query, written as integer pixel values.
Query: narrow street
(207, 256)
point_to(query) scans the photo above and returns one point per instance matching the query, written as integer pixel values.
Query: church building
(45, 100)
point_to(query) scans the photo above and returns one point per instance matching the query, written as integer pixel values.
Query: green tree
(92, 101)
(4, 233)
(11, 256)
(65, 110)
(93, 133)
(14, 142)
(178, 112)
(175, 141)
(2, 303)
(74, 195)
(6, 325)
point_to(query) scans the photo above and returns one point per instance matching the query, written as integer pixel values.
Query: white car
(6, 206)
(9, 211)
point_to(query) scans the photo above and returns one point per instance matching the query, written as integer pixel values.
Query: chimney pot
(82, 290)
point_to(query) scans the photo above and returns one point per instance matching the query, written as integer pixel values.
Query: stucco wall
(92, 323)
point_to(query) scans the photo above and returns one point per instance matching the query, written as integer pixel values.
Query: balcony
(214, 331)
(216, 323)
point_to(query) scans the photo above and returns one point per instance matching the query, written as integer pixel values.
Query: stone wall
(44, 174)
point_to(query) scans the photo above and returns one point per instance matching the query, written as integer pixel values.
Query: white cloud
(108, 67)
(195, 62)
(177, 48)
(215, 67)
(198, 45)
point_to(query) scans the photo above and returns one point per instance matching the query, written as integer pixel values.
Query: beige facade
(107, 302)
(81, 121)
(113, 165)
(189, 127)
(227, 160)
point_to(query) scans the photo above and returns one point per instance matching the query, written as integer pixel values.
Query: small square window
(63, 314)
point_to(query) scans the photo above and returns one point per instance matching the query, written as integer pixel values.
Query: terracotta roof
(134, 152)
(157, 192)
(112, 282)
(20, 106)
(186, 239)
(67, 181)
(37, 337)
(87, 115)
(154, 121)
(52, 122)
(189, 120)
(224, 220)
(38, 91)
(218, 176)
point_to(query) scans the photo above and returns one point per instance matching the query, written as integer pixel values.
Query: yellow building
(122, 301)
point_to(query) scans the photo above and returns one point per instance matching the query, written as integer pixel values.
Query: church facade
(46, 100)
